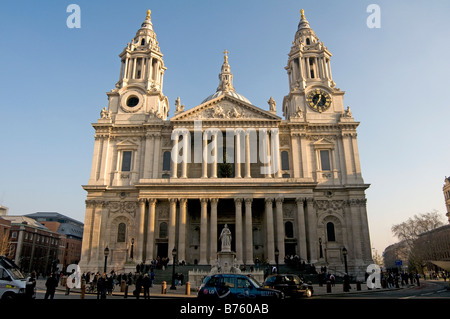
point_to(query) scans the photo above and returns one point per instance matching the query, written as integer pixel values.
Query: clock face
(318, 100)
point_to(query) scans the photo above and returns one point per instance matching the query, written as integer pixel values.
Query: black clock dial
(318, 100)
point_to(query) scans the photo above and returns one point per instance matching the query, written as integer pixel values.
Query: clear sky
(396, 78)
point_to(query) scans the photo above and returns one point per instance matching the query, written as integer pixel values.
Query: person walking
(138, 284)
(101, 287)
(51, 284)
(146, 283)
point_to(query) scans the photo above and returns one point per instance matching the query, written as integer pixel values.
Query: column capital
(204, 200)
(268, 200)
(183, 201)
(173, 200)
(214, 200)
(309, 200)
(142, 200)
(300, 199)
(248, 200)
(279, 200)
(152, 201)
(238, 200)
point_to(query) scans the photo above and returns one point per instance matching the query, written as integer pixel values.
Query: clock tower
(138, 95)
(313, 95)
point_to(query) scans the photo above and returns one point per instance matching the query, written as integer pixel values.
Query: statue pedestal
(225, 261)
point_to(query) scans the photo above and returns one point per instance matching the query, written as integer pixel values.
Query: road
(427, 290)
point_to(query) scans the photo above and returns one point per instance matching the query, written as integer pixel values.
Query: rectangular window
(126, 161)
(325, 160)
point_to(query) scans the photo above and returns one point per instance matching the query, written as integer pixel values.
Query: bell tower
(138, 96)
(312, 92)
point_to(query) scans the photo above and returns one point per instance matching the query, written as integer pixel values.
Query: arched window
(163, 230)
(330, 232)
(143, 42)
(284, 160)
(308, 42)
(121, 232)
(289, 230)
(166, 161)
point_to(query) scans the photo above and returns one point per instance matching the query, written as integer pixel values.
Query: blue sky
(54, 81)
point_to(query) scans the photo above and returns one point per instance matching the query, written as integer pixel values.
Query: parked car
(291, 285)
(235, 286)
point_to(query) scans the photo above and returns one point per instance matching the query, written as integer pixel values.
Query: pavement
(180, 292)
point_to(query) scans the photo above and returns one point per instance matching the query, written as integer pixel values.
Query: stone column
(87, 234)
(270, 233)
(356, 228)
(205, 156)
(247, 156)
(151, 229)
(174, 156)
(214, 163)
(237, 153)
(182, 230)
(366, 248)
(238, 229)
(140, 230)
(301, 239)
(172, 223)
(95, 252)
(149, 143)
(184, 163)
(213, 230)
(203, 231)
(248, 232)
(296, 156)
(276, 156)
(155, 155)
(312, 230)
(280, 229)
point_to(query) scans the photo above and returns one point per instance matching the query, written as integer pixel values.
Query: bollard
(163, 287)
(83, 288)
(328, 286)
(125, 295)
(358, 285)
(188, 288)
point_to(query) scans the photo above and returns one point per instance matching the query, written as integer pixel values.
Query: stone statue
(225, 237)
(105, 114)
(272, 104)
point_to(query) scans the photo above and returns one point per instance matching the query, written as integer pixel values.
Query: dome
(226, 84)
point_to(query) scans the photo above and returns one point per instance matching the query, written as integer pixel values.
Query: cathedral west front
(284, 186)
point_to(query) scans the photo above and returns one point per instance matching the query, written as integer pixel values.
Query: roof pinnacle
(149, 12)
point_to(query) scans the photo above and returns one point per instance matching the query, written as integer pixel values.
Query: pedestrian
(332, 280)
(146, 283)
(138, 284)
(152, 277)
(51, 284)
(101, 286)
(346, 283)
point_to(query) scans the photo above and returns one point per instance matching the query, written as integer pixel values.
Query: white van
(12, 282)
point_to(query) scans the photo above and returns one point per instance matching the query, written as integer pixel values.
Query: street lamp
(174, 254)
(132, 246)
(277, 253)
(344, 253)
(320, 248)
(106, 257)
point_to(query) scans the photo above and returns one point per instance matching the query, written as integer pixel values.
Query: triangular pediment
(225, 107)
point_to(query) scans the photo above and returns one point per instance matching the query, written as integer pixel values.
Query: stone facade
(293, 184)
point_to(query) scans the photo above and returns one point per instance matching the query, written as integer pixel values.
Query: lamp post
(344, 253)
(132, 246)
(106, 258)
(174, 254)
(320, 248)
(277, 253)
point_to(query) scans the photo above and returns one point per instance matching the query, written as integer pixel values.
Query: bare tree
(410, 230)
(416, 225)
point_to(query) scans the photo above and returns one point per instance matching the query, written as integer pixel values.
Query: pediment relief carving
(225, 109)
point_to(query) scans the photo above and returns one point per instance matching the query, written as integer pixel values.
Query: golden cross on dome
(226, 56)
(149, 12)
